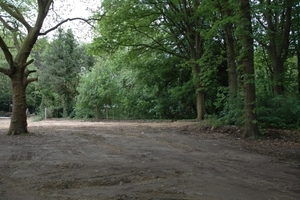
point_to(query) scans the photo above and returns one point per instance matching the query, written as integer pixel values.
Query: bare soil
(65, 159)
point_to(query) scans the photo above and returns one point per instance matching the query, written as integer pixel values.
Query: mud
(66, 159)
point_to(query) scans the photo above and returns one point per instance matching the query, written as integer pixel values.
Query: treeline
(232, 62)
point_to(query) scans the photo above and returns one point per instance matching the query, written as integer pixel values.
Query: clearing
(67, 159)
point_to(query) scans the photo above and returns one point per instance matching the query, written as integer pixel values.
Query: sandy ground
(133, 160)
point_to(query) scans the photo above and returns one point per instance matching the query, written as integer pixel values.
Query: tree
(18, 64)
(273, 21)
(22, 23)
(98, 89)
(247, 60)
(295, 41)
(173, 27)
(228, 10)
(61, 62)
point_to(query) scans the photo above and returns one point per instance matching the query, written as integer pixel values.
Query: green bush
(282, 112)
(230, 110)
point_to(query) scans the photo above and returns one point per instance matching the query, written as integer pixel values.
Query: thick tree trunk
(18, 63)
(18, 124)
(251, 127)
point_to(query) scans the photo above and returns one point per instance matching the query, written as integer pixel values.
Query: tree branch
(30, 80)
(6, 25)
(28, 72)
(29, 62)
(8, 55)
(32, 71)
(4, 71)
(15, 13)
(13, 31)
(69, 19)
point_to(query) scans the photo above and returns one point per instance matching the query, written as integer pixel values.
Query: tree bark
(200, 98)
(250, 127)
(226, 8)
(18, 71)
(18, 123)
(64, 102)
(298, 58)
(191, 27)
(201, 111)
(231, 60)
(277, 66)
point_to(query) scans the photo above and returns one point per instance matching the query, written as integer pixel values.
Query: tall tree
(61, 64)
(228, 11)
(295, 30)
(21, 22)
(274, 20)
(172, 27)
(17, 70)
(247, 60)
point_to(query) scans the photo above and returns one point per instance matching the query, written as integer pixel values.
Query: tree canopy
(231, 62)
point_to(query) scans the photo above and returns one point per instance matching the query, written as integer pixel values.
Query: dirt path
(123, 160)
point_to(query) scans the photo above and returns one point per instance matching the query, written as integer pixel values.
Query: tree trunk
(201, 111)
(231, 60)
(277, 66)
(250, 128)
(65, 106)
(298, 57)
(97, 112)
(18, 123)
(200, 101)
(278, 39)
(230, 53)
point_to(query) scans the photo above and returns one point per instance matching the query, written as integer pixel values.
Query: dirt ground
(63, 159)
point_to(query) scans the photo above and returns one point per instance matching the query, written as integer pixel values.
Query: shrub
(282, 112)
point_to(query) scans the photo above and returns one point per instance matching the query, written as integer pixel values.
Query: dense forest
(229, 62)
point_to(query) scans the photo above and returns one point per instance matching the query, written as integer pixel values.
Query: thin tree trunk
(18, 123)
(229, 41)
(298, 57)
(65, 106)
(97, 112)
(277, 76)
(250, 128)
(278, 36)
(200, 101)
(231, 60)
(201, 111)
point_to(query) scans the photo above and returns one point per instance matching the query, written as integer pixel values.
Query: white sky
(72, 9)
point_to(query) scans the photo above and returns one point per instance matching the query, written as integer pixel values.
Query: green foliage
(280, 112)
(230, 109)
(263, 73)
(5, 93)
(33, 98)
(97, 90)
(60, 64)
(150, 87)
(156, 73)
(5, 88)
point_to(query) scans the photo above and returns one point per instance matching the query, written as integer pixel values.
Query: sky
(73, 9)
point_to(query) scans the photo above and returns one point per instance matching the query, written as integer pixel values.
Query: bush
(230, 110)
(281, 112)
